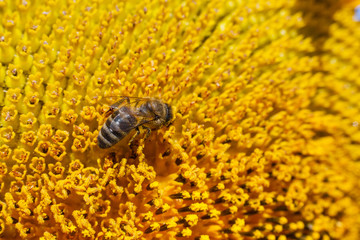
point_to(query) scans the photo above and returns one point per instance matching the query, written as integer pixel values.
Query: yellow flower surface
(264, 143)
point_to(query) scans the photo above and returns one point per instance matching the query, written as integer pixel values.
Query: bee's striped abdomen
(116, 127)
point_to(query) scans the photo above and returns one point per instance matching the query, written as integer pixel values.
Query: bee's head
(169, 113)
(163, 112)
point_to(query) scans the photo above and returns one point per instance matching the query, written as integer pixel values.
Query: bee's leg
(127, 99)
(148, 131)
(170, 123)
(133, 137)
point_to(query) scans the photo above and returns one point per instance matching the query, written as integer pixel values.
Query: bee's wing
(144, 120)
(128, 101)
(133, 103)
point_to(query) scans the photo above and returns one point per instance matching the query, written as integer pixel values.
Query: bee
(130, 113)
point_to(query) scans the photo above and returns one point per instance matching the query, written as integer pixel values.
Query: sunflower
(263, 144)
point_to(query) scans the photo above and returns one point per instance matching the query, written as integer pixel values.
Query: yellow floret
(264, 137)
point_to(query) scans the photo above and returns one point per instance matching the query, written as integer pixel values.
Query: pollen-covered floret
(264, 139)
